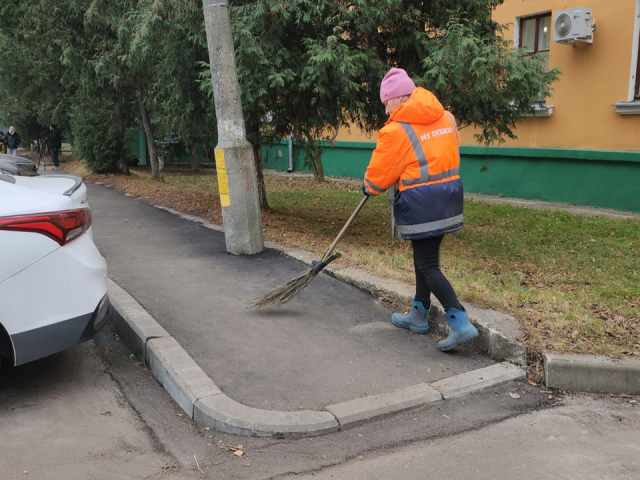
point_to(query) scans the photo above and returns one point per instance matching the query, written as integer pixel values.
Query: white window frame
(632, 106)
(634, 54)
(541, 110)
(516, 28)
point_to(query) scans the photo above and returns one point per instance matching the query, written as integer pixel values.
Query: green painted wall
(346, 159)
(138, 148)
(599, 178)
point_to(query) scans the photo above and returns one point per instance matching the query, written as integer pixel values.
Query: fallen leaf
(107, 350)
(531, 382)
(240, 447)
(360, 457)
(238, 453)
(446, 416)
(514, 395)
(107, 414)
(550, 397)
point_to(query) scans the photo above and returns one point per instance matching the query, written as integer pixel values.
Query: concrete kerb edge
(134, 324)
(499, 332)
(193, 390)
(594, 374)
(205, 403)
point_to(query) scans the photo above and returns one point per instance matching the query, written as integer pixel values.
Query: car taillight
(61, 226)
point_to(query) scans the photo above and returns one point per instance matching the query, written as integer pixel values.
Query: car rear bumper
(57, 302)
(44, 341)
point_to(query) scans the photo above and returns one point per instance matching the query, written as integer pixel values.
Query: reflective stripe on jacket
(418, 149)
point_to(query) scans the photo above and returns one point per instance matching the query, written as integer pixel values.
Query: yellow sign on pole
(223, 180)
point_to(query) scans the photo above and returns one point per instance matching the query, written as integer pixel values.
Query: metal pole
(237, 178)
(290, 169)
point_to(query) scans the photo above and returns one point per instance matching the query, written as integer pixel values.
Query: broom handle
(330, 250)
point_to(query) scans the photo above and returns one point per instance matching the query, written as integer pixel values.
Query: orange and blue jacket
(418, 148)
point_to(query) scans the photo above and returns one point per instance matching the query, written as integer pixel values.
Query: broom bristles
(285, 292)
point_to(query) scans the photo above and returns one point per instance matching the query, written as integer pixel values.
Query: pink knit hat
(396, 84)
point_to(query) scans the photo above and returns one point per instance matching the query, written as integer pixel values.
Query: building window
(636, 91)
(534, 36)
(535, 33)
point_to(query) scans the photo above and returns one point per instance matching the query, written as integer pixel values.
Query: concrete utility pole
(237, 177)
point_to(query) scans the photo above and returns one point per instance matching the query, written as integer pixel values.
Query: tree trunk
(156, 168)
(194, 159)
(319, 167)
(395, 230)
(121, 164)
(262, 191)
(161, 167)
(313, 154)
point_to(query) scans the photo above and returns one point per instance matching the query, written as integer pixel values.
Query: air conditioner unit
(576, 24)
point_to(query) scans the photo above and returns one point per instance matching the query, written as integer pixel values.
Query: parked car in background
(53, 279)
(26, 167)
(8, 169)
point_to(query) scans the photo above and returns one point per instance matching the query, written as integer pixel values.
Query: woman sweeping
(418, 149)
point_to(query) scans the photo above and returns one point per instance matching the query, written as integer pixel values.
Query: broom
(285, 292)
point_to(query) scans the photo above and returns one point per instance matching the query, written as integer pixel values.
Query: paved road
(64, 417)
(587, 439)
(54, 425)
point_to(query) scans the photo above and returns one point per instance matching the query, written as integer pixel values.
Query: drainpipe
(290, 169)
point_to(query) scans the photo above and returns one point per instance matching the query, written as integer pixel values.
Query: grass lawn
(573, 282)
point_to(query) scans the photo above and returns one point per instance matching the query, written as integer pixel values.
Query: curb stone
(499, 332)
(224, 414)
(203, 401)
(591, 373)
(355, 412)
(468, 382)
(192, 389)
(135, 325)
(178, 373)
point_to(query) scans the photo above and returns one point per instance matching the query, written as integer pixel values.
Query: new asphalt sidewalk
(333, 344)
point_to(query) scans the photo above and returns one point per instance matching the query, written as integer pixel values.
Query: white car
(53, 279)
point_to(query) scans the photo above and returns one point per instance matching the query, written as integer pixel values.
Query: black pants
(429, 278)
(54, 156)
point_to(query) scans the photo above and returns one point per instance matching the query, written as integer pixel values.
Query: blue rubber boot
(460, 329)
(416, 320)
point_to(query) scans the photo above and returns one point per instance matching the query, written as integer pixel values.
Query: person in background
(12, 140)
(418, 149)
(55, 144)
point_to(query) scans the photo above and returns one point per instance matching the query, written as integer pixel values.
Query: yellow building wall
(354, 134)
(593, 78)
